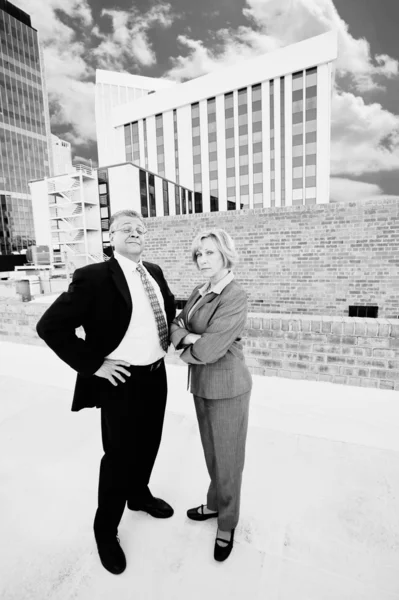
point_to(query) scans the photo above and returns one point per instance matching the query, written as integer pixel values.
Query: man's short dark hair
(127, 212)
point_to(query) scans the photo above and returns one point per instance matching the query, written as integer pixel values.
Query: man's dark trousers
(131, 422)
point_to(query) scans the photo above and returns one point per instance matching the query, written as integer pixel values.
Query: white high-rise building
(253, 135)
(62, 156)
(114, 90)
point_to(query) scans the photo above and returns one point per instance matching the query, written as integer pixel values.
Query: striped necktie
(158, 314)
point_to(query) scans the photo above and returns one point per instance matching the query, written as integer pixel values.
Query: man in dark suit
(125, 307)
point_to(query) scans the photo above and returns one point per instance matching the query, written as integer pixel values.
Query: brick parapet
(347, 350)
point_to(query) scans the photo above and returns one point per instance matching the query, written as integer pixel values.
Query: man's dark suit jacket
(99, 300)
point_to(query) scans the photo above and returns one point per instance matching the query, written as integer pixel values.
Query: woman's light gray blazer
(218, 368)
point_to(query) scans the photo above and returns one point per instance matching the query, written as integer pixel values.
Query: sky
(183, 39)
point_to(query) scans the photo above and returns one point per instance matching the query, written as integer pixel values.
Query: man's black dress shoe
(193, 514)
(222, 552)
(111, 555)
(154, 506)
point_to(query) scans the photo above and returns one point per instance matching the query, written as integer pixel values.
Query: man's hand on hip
(113, 370)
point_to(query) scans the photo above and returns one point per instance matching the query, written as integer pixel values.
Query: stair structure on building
(70, 222)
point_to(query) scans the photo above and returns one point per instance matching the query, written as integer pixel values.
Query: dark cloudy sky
(182, 39)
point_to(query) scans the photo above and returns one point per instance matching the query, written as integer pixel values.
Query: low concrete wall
(353, 351)
(8, 289)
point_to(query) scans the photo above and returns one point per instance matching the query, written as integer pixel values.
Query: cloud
(81, 160)
(291, 21)
(278, 23)
(129, 38)
(230, 46)
(364, 138)
(346, 190)
(73, 46)
(69, 77)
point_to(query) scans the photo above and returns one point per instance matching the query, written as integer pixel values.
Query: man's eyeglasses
(129, 230)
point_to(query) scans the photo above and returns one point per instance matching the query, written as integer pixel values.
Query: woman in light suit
(209, 329)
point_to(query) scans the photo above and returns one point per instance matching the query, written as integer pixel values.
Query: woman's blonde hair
(223, 242)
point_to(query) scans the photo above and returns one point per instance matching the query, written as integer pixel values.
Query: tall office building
(24, 126)
(253, 135)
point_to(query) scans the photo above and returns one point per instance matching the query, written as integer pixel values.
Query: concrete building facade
(250, 136)
(115, 90)
(61, 156)
(24, 126)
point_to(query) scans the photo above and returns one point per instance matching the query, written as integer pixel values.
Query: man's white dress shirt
(140, 345)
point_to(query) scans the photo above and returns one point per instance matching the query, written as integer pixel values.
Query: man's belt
(152, 367)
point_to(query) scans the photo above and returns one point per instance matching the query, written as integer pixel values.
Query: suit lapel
(120, 281)
(153, 272)
(204, 300)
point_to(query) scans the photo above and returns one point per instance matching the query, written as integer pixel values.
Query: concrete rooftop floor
(319, 516)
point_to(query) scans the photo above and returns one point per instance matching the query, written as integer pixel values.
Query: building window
(160, 144)
(190, 201)
(257, 144)
(282, 138)
(297, 138)
(143, 193)
(176, 145)
(214, 203)
(128, 143)
(272, 160)
(230, 149)
(310, 136)
(177, 200)
(196, 141)
(135, 141)
(243, 144)
(145, 143)
(212, 154)
(165, 190)
(198, 202)
(151, 195)
(183, 200)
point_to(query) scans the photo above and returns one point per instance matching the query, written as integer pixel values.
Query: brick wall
(301, 267)
(353, 351)
(309, 260)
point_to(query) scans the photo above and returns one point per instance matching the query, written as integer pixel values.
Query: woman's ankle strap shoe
(197, 514)
(223, 552)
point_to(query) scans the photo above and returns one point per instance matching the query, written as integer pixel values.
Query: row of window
(304, 137)
(22, 158)
(160, 145)
(212, 156)
(176, 146)
(197, 163)
(16, 51)
(304, 141)
(20, 70)
(18, 40)
(21, 105)
(16, 226)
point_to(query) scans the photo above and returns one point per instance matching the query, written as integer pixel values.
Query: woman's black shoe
(223, 552)
(193, 514)
(111, 555)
